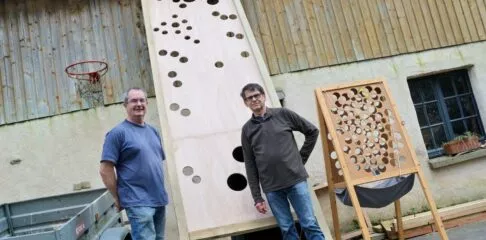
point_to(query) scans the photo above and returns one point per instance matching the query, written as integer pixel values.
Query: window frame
(434, 81)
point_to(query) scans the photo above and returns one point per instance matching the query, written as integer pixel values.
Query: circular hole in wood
(213, 2)
(164, 32)
(377, 90)
(238, 154)
(345, 95)
(176, 1)
(382, 167)
(189, 28)
(185, 112)
(367, 167)
(346, 149)
(333, 155)
(177, 31)
(197, 41)
(183, 59)
(382, 98)
(184, 20)
(187, 37)
(233, 16)
(188, 0)
(223, 17)
(174, 16)
(175, 24)
(177, 83)
(174, 54)
(239, 36)
(174, 106)
(172, 74)
(336, 95)
(196, 179)
(163, 23)
(156, 29)
(245, 54)
(219, 64)
(182, 5)
(162, 52)
(237, 182)
(215, 13)
(230, 34)
(337, 165)
(187, 170)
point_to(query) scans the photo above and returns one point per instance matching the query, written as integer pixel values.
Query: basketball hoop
(90, 84)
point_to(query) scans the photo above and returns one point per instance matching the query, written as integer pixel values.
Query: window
(445, 108)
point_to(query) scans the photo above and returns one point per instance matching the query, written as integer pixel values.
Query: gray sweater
(271, 156)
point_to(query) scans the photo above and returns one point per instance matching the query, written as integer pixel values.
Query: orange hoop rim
(92, 76)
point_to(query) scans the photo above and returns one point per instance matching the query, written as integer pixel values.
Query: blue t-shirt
(137, 154)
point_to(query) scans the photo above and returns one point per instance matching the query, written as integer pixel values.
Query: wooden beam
(398, 214)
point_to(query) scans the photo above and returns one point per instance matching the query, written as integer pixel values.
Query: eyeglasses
(135, 100)
(256, 96)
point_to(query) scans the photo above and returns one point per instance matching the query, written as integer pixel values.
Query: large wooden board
(201, 57)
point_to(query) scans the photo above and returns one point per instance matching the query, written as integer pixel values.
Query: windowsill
(447, 160)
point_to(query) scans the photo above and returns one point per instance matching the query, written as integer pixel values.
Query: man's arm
(107, 173)
(109, 157)
(251, 169)
(310, 132)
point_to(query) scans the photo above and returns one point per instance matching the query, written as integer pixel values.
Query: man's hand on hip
(261, 207)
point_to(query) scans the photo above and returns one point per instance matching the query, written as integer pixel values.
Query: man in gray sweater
(273, 160)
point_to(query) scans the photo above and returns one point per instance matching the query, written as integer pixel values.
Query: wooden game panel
(369, 132)
(201, 58)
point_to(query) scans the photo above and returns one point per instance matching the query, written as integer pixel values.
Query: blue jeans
(147, 223)
(299, 197)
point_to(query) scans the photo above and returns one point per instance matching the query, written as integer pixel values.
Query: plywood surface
(202, 57)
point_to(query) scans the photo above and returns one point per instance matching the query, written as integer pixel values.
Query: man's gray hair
(125, 95)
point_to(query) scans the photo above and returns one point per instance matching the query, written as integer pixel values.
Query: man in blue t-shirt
(134, 149)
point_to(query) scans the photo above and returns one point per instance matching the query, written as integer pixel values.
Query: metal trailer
(82, 215)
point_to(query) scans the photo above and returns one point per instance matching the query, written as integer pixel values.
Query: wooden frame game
(365, 141)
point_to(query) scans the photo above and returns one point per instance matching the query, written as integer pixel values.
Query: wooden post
(331, 187)
(398, 215)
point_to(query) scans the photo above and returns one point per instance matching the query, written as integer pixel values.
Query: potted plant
(463, 143)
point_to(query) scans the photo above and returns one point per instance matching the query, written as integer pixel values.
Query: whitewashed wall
(450, 185)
